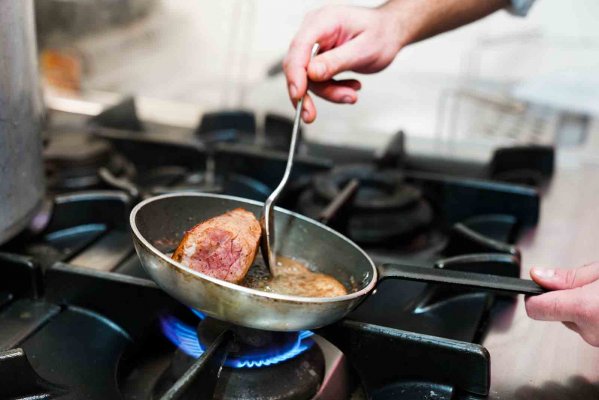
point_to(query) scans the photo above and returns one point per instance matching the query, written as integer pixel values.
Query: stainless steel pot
(21, 167)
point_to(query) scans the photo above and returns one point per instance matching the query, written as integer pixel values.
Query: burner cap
(294, 370)
(382, 227)
(296, 379)
(379, 190)
(76, 149)
(385, 208)
(248, 342)
(72, 160)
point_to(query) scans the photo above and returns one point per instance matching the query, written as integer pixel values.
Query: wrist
(401, 20)
(420, 19)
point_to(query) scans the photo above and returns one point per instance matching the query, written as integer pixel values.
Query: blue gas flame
(184, 336)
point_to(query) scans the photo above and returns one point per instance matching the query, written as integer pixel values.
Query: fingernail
(293, 91)
(347, 99)
(305, 115)
(544, 273)
(319, 69)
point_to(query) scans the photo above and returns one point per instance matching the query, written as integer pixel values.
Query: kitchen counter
(545, 360)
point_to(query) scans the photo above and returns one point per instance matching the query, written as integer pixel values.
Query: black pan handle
(471, 280)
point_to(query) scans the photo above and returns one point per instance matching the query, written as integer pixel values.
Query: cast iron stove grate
(77, 310)
(111, 320)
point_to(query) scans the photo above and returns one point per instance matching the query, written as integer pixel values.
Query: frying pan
(159, 223)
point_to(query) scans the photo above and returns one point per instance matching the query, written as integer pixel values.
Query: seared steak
(223, 247)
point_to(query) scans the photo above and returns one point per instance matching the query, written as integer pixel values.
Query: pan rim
(254, 292)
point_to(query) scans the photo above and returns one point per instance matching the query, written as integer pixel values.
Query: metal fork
(267, 221)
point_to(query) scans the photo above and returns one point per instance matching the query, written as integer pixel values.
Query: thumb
(346, 57)
(566, 278)
(559, 305)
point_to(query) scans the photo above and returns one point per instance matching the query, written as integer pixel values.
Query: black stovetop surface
(79, 317)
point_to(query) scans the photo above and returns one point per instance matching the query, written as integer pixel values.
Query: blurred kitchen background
(501, 80)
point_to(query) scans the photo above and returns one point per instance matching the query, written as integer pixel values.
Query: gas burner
(72, 160)
(171, 179)
(530, 165)
(162, 166)
(239, 126)
(253, 359)
(379, 190)
(385, 207)
(231, 184)
(298, 378)
(251, 349)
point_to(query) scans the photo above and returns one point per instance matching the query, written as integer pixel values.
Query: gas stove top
(81, 319)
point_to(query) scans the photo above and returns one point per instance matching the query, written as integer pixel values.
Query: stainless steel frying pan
(160, 222)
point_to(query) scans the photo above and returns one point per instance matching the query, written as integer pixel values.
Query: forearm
(421, 19)
(366, 41)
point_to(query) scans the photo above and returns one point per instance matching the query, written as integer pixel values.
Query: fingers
(349, 56)
(572, 326)
(344, 91)
(561, 305)
(566, 278)
(576, 304)
(308, 113)
(309, 110)
(295, 65)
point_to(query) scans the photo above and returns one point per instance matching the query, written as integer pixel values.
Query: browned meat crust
(223, 247)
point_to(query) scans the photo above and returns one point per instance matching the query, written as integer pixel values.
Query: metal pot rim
(254, 292)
